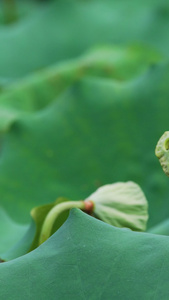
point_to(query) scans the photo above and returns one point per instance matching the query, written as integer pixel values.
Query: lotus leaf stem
(53, 214)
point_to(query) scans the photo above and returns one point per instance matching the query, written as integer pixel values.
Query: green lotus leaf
(22, 244)
(78, 122)
(161, 228)
(41, 89)
(29, 240)
(60, 30)
(89, 259)
(51, 148)
(10, 232)
(36, 147)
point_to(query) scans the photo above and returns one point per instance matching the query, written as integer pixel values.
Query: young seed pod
(121, 204)
(162, 152)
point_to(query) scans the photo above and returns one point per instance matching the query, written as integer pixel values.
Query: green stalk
(10, 12)
(53, 214)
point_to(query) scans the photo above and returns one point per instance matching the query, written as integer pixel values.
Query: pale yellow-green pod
(162, 152)
(121, 204)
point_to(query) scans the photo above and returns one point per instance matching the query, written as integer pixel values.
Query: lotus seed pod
(162, 152)
(122, 205)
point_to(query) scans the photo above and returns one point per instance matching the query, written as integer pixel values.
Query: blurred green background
(84, 88)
